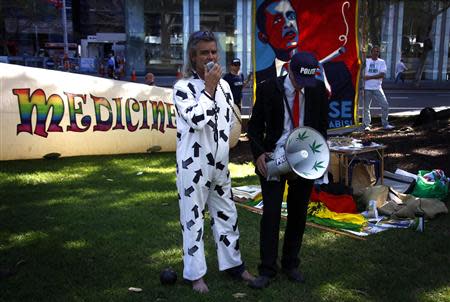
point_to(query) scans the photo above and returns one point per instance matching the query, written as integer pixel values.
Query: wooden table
(346, 155)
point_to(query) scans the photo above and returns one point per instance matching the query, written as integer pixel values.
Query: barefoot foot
(247, 277)
(200, 286)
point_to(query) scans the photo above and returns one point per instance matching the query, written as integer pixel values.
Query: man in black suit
(282, 104)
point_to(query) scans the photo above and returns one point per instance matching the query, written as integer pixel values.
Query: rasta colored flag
(326, 28)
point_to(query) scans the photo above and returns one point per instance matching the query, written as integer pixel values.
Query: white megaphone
(305, 153)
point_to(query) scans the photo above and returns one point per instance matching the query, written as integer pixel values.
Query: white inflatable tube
(45, 111)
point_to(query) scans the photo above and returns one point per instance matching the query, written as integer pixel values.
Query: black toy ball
(168, 276)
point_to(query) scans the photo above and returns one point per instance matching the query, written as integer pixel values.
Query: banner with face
(326, 28)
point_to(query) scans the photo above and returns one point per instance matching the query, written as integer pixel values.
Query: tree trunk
(434, 11)
(421, 68)
(166, 24)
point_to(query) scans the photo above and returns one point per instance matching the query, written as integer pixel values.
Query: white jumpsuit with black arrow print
(203, 130)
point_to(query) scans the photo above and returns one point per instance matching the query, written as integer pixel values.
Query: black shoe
(260, 282)
(294, 275)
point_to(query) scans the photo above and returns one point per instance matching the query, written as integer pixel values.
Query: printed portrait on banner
(326, 28)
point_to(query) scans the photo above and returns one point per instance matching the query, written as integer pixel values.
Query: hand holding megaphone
(261, 164)
(213, 73)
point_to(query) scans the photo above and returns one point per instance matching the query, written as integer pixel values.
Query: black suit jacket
(267, 121)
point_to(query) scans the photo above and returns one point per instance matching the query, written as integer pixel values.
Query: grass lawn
(88, 228)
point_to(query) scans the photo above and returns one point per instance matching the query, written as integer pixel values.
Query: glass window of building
(220, 18)
(27, 27)
(101, 29)
(416, 37)
(163, 36)
(447, 76)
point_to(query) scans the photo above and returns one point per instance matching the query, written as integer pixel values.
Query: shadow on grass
(83, 232)
(87, 238)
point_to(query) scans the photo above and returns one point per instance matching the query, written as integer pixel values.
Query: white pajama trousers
(202, 184)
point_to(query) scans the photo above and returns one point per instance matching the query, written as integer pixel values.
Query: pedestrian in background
(149, 79)
(400, 68)
(236, 81)
(111, 66)
(374, 74)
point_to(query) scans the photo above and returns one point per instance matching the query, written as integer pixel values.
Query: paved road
(399, 101)
(408, 100)
(401, 97)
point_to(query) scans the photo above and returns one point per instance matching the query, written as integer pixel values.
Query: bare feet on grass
(247, 277)
(200, 286)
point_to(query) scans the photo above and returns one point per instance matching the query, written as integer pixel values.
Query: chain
(216, 118)
(227, 98)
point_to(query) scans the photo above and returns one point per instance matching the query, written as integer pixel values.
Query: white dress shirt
(289, 90)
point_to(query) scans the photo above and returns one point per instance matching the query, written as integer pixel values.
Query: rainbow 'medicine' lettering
(108, 119)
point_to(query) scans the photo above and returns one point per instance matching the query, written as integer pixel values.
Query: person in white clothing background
(400, 68)
(374, 74)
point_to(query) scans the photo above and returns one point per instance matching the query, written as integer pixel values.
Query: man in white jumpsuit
(203, 102)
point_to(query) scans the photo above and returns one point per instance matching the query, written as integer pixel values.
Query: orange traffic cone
(133, 75)
(179, 74)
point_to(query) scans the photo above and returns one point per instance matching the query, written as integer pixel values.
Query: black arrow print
(188, 191)
(210, 112)
(222, 216)
(203, 214)
(192, 250)
(219, 190)
(199, 235)
(196, 146)
(236, 247)
(212, 221)
(197, 176)
(182, 227)
(223, 135)
(198, 118)
(181, 94)
(191, 130)
(208, 184)
(189, 109)
(189, 224)
(195, 210)
(210, 159)
(178, 135)
(220, 166)
(211, 124)
(235, 226)
(225, 240)
(185, 163)
(192, 88)
(227, 116)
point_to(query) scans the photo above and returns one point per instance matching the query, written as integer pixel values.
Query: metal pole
(36, 40)
(64, 21)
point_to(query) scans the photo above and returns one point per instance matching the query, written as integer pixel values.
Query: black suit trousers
(299, 192)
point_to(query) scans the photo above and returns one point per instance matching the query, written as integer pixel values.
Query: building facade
(151, 36)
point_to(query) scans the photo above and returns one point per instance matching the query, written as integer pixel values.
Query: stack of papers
(244, 193)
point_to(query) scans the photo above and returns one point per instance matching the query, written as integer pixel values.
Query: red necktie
(296, 109)
(285, 69)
